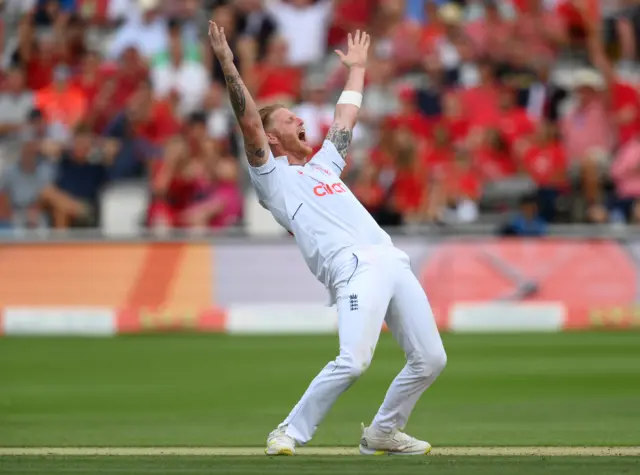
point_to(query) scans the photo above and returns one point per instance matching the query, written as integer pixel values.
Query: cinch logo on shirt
(326, 189)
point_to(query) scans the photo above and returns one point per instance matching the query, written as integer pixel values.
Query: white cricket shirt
(315, 205)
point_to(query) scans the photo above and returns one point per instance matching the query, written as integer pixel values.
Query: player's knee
(352, 365)
(430, 364)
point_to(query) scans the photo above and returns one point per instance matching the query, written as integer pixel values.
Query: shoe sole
(367, 451)
(284, 452)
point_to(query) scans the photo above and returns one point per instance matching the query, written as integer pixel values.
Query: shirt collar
(285, 159)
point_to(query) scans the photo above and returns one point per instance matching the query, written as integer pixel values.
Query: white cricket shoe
(374, 442)
(279, 443)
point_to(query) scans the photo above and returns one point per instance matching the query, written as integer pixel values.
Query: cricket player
(369, 280)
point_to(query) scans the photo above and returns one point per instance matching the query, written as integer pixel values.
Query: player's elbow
(251, 128)
(346, 115)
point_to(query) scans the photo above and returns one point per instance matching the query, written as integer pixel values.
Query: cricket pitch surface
(574, 451)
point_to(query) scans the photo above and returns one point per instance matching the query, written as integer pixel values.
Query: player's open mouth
(302, 136)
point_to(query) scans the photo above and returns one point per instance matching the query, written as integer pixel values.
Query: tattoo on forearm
(255, 154)
(340, 136)
(235, 86)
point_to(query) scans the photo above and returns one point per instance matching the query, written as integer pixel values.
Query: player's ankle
(375, 428)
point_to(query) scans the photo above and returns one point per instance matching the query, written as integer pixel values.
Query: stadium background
(499, 143)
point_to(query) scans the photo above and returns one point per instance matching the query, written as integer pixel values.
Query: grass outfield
(225, 391)
(322, 465)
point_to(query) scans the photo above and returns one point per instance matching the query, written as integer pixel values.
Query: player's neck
(295, 158)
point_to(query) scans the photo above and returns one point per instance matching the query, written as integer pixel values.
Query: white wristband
(351, 97)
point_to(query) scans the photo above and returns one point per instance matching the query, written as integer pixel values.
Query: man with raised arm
(369, 280)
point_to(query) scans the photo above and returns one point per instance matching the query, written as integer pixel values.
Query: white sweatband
(350, 97)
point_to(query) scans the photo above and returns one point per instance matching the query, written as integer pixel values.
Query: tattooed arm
(255, 139)
(347, 112)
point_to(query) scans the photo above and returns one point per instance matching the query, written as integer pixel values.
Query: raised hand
(219, 43)
(357, 50)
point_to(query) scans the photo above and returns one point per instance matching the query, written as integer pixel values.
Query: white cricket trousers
(374, 286)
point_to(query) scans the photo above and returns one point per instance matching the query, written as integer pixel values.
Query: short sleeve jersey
(314, 204)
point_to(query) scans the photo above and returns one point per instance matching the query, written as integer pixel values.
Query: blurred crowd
(473, 109)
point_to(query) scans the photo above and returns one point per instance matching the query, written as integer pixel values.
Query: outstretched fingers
(216, 34)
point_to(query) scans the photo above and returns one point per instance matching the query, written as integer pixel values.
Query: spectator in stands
(544, 160)
(457, 64)
(153, 120)
(621, 98)
(185, 176)
(409, 190)
(368, 190)
(516, 70)
(129, 73)
(526, 222)
(492, 158)
(380, 98)
(540, 29)
(349, 16)
(588, 136)
(514, 124)
(304, 25)
(24, 181)
(492, 35)
(625, 173)
(462, 188)
(62, 102)
(219, 120)
(185, 77)
(429, 95)
(131, 151)
(409, 115)
(191, 50)
(543, 97)
(147, 33)
(481, 102)
(316, 112)
(16, 103)
(80, 177)
(89, 78)
(274, 80)
(454, 121)
(219, 203)
(36, 54)
(121, 11)
(254, 20)
(72, 39)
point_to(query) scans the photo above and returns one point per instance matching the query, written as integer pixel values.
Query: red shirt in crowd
(625, 99)
(371, 195)
(275, 82)
(463, 183)
(493, 165)
(418, 124)
(570, 14)
(437, 160)
(480, 105)
(39, 71)
(546, 165)
(515, 124)
(160, 125)
(349, 15)
(408, 190)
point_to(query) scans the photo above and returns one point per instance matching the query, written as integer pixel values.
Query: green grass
(322, 465)
(199, 390)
